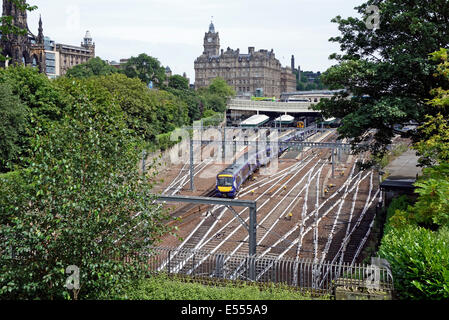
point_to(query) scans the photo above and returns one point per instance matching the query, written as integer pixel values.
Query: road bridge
(272, 107)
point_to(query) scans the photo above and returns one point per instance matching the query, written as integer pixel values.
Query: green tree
(147, 112)
(432, 207)
(13, 121)
(86, 205)
(191, 99)
(387, 71)
(94, 67)
(178, 82)
(42, 98)
(220, 87)
(146, 68)
(434, 144)
(44, 103)
(216, 95)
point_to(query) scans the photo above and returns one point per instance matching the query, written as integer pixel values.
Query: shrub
(162, 287)
(419, 260)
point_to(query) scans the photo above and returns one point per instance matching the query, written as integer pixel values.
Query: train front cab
(226, 185)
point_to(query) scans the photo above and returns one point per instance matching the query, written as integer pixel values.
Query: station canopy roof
(256, 120)
(285, 118)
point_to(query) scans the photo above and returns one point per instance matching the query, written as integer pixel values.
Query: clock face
(209, 40)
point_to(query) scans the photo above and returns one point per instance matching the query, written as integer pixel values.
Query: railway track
(212, 247)
(333, 227)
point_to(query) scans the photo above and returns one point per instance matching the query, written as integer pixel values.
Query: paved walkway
(404, 167)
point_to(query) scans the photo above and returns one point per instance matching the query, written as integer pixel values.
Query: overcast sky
(173, 30)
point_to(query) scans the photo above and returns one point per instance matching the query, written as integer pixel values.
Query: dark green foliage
(12, 124)
(43, 103)
(419, 257)
(146, 68)
(221, 88)
(84, 204)
(147, 112)
(215, 97)
(94, 67)
(303, 83)
(215, 102)
(178, 82)
(419, 260)
(388, 71)
(432, 207)
(163, 141)
(191, 99)
(36, 91)
(14, 190)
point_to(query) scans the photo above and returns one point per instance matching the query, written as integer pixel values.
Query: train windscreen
(225, 181)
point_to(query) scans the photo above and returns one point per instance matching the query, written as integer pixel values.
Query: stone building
(26, 48)
(53, 59)
(71, 56)
(256, 73)
(288, 80)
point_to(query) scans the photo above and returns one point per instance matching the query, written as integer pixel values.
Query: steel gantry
(228, 203)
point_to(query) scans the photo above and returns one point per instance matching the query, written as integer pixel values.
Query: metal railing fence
(304, 275)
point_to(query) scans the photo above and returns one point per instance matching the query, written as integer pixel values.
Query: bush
(164, 141)
(419, 261)
(163, 287)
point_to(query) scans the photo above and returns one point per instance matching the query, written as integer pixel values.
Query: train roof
(239, 163)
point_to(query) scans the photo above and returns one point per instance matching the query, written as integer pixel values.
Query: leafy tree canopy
(13, 115)
(220, 87)
(387, 71)
(216, 95)
(178, 82)
(146, 68)
(147, 112)
(94, 67)
(41, 102)
(434, 144)
(86, 205)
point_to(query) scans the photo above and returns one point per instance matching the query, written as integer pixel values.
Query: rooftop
(255, 120)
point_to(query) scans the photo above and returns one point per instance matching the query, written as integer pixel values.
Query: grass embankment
(163, 287)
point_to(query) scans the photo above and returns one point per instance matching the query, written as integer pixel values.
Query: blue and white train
(231, 179)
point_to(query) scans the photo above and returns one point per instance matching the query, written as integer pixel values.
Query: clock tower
(211, 42)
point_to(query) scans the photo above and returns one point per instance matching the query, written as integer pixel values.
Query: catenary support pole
(192, 168)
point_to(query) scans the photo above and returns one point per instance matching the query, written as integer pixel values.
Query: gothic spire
(40, 36)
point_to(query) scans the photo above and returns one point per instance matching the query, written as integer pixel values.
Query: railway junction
(317, 205)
